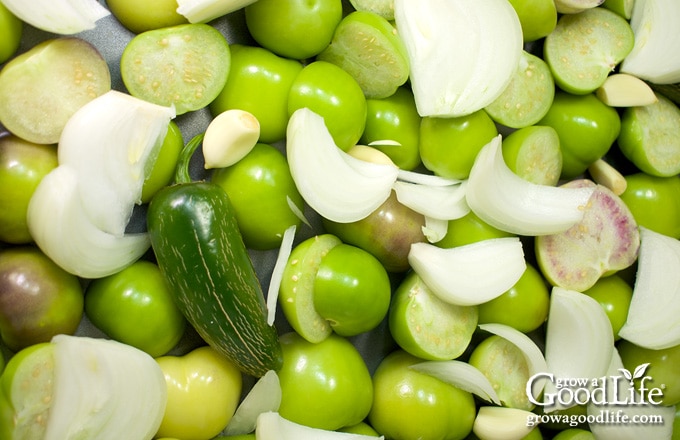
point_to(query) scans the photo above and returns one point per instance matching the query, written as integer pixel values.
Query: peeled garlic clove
(230, 136)
(623, 90)
(501, 423)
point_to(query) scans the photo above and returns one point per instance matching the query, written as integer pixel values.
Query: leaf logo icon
(627, 375)
(640, 370)
(637, 373)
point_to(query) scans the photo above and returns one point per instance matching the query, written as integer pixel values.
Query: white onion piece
(461, 375)
(425, 179)
(277, 273)
(105, 390)
(506, 201)
(501, 423)
(271, 426)
(579, 338)
(435, 229)
(203, 11)
(532, 353)
(264, 396)
(462, 53)
(338, 186)
(653, 316)
(471, 274)
(440, 202)
(297, 211)
(655, 24)
(64, 17)
(62, 229)
(384, 143)
(111, 142)
(628, 431)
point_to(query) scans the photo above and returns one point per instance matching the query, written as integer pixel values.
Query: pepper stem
(182, 170)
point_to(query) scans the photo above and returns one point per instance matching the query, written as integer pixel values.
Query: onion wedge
(277, 273)
(506, 201)
(579, 339)
(203, 11)
(105, 390)
(461, 375)
(61, 228)
(462, 53)
(655, 25)
(271, 426)
(335, 184)
(652, 320)
(265, 396)
(437, 202)
(111, 143)
(64, 17)
(471, 274)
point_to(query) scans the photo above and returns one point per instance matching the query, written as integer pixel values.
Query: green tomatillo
(297, 29)
(38, 299)
(204, 389)
(152, 322)
(351, 290)
(654, 202)
(586, 126)
(259, 82)
(261, 189)
(393, 127)
(11, 30)
(23, 164)
(449, 146)
(335, 95)
(324, 385)
(408, 404)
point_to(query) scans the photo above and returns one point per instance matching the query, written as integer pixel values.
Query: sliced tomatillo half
(296, 294)
(185, 66)
(585, 47)
(426, 326)
(650, 137)
(527, 97)
(367, 46)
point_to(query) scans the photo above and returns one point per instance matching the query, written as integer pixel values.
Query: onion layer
(64, 17)
(655, 24)
(462, 53)
(472, 274)
(335, 184)
(78, 214)
(579, 338)
(653, 316)
(506, 201)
